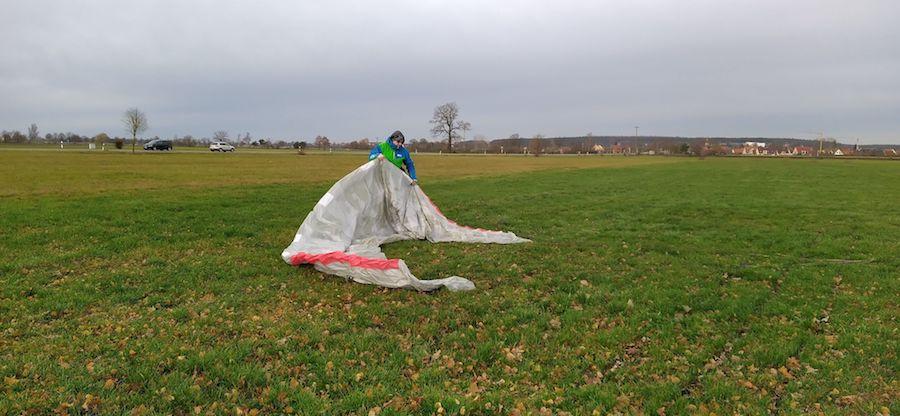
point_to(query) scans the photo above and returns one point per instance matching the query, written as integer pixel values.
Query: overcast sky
(353, 69)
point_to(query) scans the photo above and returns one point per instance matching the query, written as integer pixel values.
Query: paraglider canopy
(371, 206)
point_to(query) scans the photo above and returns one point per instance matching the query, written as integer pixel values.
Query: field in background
(24, 172)
(152, 284)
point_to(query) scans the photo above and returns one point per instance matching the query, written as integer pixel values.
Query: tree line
(445, 121)
(449, 130)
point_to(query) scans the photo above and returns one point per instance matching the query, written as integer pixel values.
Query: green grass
(153, 284)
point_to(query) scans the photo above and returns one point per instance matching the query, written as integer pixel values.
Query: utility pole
(636, 140)
(821, 139)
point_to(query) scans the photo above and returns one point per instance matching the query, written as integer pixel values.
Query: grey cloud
(362, 69)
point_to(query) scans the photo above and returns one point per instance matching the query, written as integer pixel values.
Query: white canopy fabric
(373, 205)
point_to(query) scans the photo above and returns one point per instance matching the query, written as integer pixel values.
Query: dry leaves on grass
(514, 353)
(555, 323)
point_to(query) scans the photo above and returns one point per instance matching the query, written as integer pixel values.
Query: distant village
(754, 149)
(619, 145)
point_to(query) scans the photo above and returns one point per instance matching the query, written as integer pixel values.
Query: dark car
(158, 144)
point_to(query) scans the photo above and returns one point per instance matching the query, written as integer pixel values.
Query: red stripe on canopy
(341, 257)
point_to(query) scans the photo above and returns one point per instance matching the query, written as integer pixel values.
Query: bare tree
(322, 142)
(188, 140)
(135, 122)
(101, 138)
(33, 134)
(447, 123)
(536, 145)
(12, 136)
(221, 136)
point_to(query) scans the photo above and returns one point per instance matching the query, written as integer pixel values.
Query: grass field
(152, 284)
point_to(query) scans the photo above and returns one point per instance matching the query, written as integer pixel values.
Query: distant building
(598, 148)
(754, 144)
(750, 150)
(803, 150)
(755, 149)
(890, 152)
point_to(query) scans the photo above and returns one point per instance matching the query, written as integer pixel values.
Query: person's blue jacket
(399, 156)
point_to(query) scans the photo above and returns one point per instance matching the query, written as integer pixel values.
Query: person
(394, 151)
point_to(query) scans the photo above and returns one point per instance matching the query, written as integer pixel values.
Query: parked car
(158, 144)
(220, 147)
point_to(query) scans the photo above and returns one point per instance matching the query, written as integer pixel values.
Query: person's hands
(380, 157)
(415, 182)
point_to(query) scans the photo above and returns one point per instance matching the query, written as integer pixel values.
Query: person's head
(397, 138)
